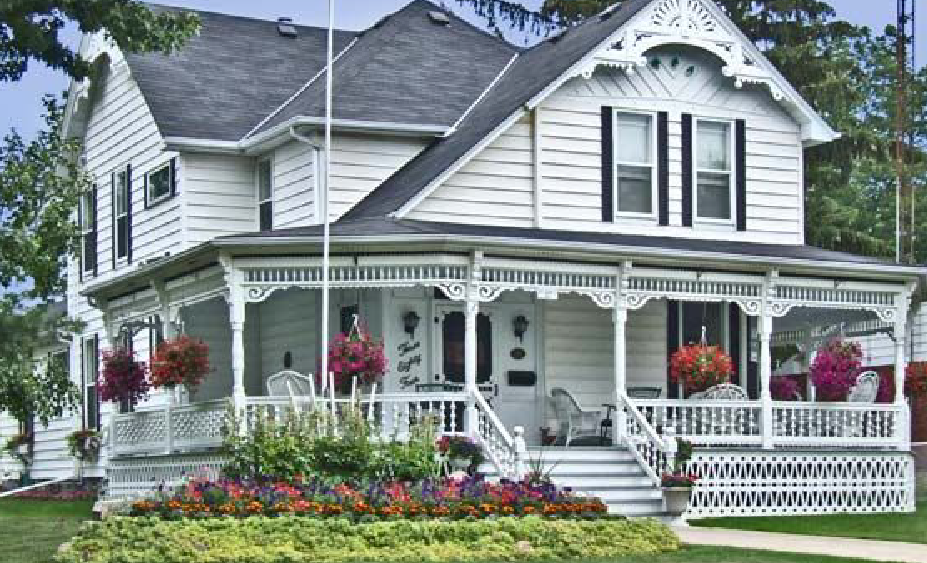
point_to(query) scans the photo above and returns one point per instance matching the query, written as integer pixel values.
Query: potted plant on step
(85, 444)
(677, 485)
(461, 453)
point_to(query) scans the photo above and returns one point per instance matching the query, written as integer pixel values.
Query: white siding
(294, 169)
(879, 350)
(361, 162)
(288, 322)
(495, 187)
(579, 348)
(219, 196)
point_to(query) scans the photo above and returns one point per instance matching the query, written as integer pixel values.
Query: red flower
(180, 361)
(356, 354)
(123, 378)
(699, 367)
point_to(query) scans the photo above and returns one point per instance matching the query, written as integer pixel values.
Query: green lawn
(891, 527)
(709, 554)
(32, 530)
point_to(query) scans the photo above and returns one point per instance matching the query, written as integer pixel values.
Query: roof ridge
(241, 17)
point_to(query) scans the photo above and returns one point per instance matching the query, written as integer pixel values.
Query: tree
(29, 30)
(41, 181)
(829, 62)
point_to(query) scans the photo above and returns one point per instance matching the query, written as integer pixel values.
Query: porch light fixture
(410, 322)
(520, 325)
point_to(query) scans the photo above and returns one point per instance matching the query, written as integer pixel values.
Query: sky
(20, 102)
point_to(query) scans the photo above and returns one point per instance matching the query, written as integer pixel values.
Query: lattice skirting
(139, 476)
(744, 483)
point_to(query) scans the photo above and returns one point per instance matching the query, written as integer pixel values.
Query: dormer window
(635, 179)
(265, 189)
(713, 149)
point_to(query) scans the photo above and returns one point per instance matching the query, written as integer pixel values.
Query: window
(159, 184)
(155, 335)
(265, 195)
(713, 198)
(635, 181)
(453, 347)
(88, 230)
(91, 399)
(121, 213)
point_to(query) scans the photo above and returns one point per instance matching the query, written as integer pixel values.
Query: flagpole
(328, 158)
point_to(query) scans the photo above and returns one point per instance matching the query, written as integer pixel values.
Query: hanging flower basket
(699, 367)
(784, 388)
(835, 368)
(356, 354)
(85, 444)
(124, 379)
(18, 447)
(180, 361)
(915, 382)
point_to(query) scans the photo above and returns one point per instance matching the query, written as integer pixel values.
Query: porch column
(765, 328)
(236, 301)
(901, 365)
(472, 308)
(620, 320)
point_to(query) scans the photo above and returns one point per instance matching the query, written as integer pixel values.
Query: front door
(505, 366)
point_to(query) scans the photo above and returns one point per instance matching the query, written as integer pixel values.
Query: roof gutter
(279, 133)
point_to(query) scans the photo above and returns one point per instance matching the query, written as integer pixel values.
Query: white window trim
(149, 202)
(257, 190)
(730, 222)
(654, 191)
(89, 378)
(124, 169)
(86, 230)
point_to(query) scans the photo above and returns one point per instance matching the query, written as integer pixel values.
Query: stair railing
(654, 454)
(506, 453)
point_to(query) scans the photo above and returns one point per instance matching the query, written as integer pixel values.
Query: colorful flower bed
(467, 498)
(42, 494)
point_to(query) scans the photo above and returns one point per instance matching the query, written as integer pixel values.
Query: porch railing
(653, 452)
(168, 429)
(794, 424)
(498, 444)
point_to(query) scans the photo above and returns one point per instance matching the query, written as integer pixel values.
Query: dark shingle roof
(230, 76)
(534, 70)
(344, 230)
(408, 69)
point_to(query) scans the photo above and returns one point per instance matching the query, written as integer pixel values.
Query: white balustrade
(705, 422)
(653, 453)
(498, 444)
(195, 426)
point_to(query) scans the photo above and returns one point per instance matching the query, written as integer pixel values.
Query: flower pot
(676, 499)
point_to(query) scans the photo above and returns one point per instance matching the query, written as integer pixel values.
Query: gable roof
(406, 69)
(229, 76)
(532, 72)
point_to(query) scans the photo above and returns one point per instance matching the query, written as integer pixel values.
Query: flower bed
(42, 494)
(336, 540)
(444, 499)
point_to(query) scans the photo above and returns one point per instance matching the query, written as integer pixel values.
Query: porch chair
(736, 423)
(865, 391)
(292, 384)
(574, 421)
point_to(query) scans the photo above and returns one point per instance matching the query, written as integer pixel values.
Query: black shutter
(740, 170)
(115, 240)
(83, 242)
(93, 234)
(129, 213)
(734, 348)
(687, 170)
(608, 166)
(173, 176)
(663, 166)
(672, 343)
(145, 185)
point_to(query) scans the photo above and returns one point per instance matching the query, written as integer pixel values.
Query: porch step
(609, 473)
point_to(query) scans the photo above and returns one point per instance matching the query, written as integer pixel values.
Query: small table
(607, 423)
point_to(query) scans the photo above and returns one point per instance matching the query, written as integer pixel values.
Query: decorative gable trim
(703, 25)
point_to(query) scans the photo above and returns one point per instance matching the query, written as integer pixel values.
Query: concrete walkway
(836, 547)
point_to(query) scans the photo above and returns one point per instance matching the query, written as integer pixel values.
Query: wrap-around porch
(487, 342)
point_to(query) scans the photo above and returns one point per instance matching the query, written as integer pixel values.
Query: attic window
(439, 18)
(285, 27)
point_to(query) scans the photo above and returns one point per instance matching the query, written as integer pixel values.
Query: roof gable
(617, 37)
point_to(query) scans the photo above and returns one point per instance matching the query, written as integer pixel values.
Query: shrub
(292, 539)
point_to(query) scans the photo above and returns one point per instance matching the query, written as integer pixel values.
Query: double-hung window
(89, 372)
(121, 213)
(713, 171)
(159, 184)
(88, 231)
(265, 188)
(635, 179)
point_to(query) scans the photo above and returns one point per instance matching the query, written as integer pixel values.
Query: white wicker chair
(574, 421)
(720, 420)
(866, 389)
(289, 383)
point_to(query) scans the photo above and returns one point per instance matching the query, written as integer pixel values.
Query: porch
(480, 342)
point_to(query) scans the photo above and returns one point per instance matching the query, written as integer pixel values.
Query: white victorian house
(520, 226)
